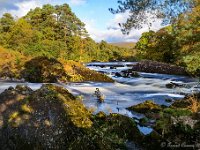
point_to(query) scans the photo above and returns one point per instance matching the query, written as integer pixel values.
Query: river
(125, 92)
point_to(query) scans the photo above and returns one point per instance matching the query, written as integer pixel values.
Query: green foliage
(193, 63)
(55, 31)
(7, 21)
(140, 11)
(188, 37)
(157, 46)
(177, 112)
(178, 43)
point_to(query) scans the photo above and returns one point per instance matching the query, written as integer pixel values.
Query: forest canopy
(55, 31)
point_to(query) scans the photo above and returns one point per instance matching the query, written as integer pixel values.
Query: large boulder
(119, 129)
(91, 75)
(146, 107)
(44, 70)
(52, 118)
(158, 67)
(49, 118)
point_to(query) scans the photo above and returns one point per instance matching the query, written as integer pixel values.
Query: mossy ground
(177, 123)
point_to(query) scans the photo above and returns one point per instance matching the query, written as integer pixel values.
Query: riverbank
(49, 70)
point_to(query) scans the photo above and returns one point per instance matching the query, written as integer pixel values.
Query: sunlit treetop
(146, 11)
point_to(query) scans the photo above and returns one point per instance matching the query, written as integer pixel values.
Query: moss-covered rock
(177, 112)
(52, 118)
(117, 129)
(190, 102)
(153, 141)
(44, 70)
(147, 106)
(79, 73)
(49, 118)
(178, 129)
(178, 123)
(91, 75)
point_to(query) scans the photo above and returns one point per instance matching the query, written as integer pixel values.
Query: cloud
(11, 4)
(77, 2)
(18, 8)
(113, 32)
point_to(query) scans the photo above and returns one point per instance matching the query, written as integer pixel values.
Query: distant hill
(124, 44)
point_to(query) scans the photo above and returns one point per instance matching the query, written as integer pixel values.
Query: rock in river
(158, 67)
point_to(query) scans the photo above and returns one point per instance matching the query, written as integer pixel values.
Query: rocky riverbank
(158, 67)
(52, 118)
(49, 70)
(178, 124)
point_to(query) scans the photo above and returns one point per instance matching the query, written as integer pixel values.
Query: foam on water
(125, 92)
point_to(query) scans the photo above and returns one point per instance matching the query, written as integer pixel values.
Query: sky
(100, 23)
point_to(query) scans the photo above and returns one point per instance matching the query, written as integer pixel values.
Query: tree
(141, 10)
(54, 32)
(187, 30)
(20, 36)
(188, 37)
(158, 46)
(6, 22)
(91, 49)
(193, 63)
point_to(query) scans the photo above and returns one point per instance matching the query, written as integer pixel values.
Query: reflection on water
(145, 130)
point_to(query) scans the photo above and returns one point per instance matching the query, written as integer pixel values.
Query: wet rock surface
(173, 85)
(127, 74)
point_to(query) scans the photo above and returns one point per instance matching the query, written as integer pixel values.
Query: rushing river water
(125, 92)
